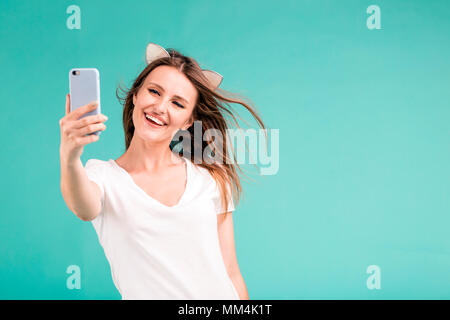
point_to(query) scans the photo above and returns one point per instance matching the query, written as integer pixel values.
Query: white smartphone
(84, 86)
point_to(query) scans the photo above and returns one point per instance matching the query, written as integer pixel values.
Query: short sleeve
(94, 171)
(218, 202)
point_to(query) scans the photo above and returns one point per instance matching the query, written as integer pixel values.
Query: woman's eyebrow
(162, 89)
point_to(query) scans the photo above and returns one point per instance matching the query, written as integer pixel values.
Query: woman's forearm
(79, 193)
(239, 284)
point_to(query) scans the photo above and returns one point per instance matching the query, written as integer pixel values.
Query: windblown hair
(208, 109)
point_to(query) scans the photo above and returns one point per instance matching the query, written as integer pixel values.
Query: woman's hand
(74, 130)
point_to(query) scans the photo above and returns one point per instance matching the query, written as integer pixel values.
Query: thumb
(67, 103)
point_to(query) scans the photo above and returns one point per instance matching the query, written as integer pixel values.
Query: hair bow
(155, 51)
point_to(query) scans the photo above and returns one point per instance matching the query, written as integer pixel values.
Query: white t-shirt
(156, 251)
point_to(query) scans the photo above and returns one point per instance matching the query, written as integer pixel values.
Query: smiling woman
(165, 220)
(173, 85)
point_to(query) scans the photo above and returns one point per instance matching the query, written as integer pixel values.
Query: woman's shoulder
(97, 165)
(204, 176)
(97, 162)
(201, 174)
(199, 169)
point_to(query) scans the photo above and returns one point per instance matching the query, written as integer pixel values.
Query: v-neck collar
(145, 194)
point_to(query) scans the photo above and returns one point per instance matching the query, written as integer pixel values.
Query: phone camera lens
(73, 72)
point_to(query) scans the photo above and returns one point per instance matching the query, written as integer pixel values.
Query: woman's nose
(160, 108)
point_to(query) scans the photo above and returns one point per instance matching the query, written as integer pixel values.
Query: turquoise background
(363, 116)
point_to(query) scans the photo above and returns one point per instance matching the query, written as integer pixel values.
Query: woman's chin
(152, 136)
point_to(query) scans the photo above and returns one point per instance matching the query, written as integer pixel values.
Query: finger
(98, 118)
(89, 139)
(67, 104)
(77, 113)
(91, 128)
(77, 125)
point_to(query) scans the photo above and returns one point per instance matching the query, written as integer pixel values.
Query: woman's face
(167, 95)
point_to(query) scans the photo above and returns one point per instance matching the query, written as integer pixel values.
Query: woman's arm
(81, 195)
(227, 246)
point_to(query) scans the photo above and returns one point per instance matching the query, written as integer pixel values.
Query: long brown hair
(208, 109)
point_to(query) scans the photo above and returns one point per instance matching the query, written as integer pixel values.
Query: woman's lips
(151, 123)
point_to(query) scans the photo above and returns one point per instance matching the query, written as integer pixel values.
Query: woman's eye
(180, 105)
(154, 91)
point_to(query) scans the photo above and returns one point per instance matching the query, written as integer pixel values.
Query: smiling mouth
(153, 123)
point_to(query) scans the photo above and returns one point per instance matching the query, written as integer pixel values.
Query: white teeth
(154, 119)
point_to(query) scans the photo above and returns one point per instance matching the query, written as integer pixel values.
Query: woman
(163, 218)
